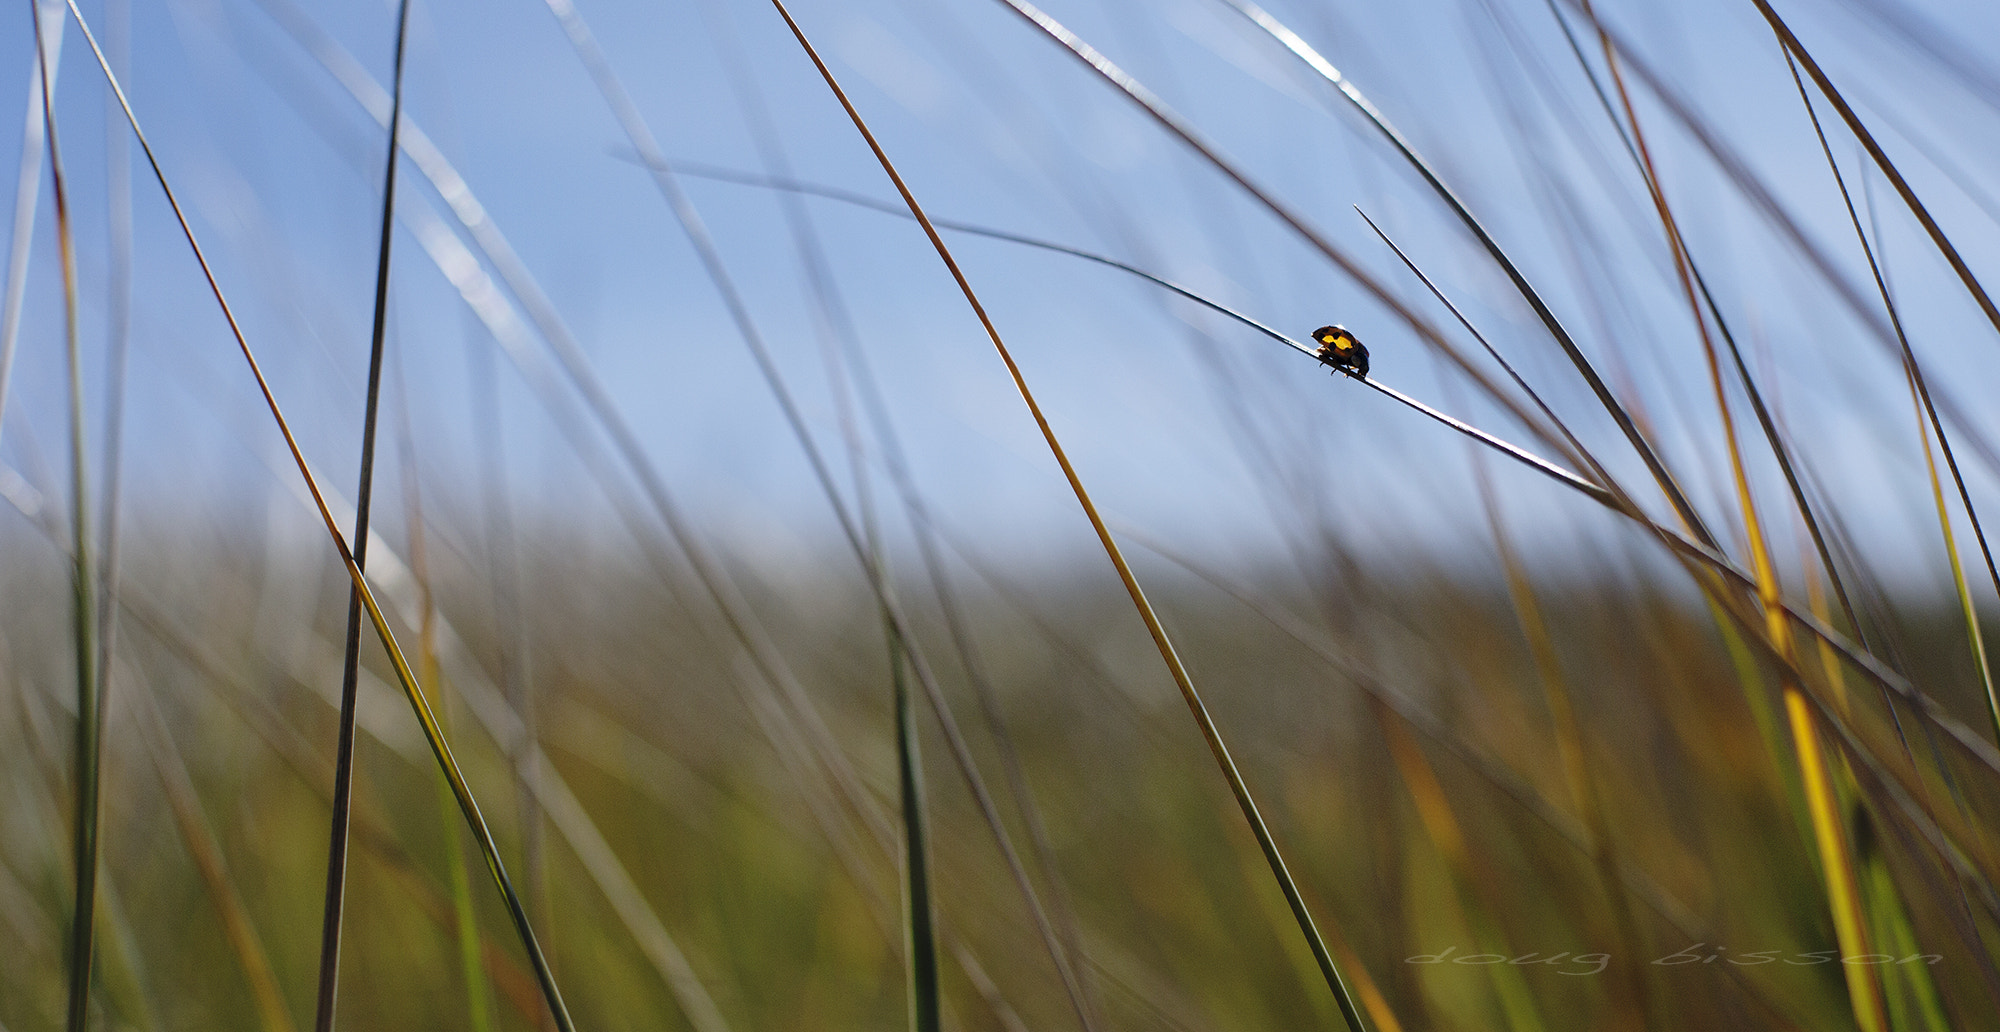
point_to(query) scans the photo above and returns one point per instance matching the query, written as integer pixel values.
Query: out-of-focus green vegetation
(783, 897)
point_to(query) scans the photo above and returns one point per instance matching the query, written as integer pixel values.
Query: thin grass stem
(1293, 220)
(1325, 69)
(1678, 543)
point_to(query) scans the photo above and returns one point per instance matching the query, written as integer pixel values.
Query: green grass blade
(920, 937)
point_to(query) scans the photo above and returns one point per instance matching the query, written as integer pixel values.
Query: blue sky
(991, 123)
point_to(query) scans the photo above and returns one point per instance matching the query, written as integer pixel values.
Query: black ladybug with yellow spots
(1339, 349)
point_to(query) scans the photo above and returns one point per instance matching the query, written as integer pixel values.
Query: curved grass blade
(440, 750)
(1859, 656)
(343, 773)
(1319, 64)
(1181, 128)
(1153, 626)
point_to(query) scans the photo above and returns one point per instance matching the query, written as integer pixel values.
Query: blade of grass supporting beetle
(433, 736)
(1158, 632)
(87, 768)
(343, 776)
(1312, 58)
(1513, 451)
(1185, 131)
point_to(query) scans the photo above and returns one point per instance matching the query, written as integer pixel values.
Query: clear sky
(1185, 425)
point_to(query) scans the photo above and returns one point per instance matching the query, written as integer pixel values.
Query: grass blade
(920, 938)
(1319, 64)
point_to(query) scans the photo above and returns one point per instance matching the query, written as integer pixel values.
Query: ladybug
(1339, 349)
